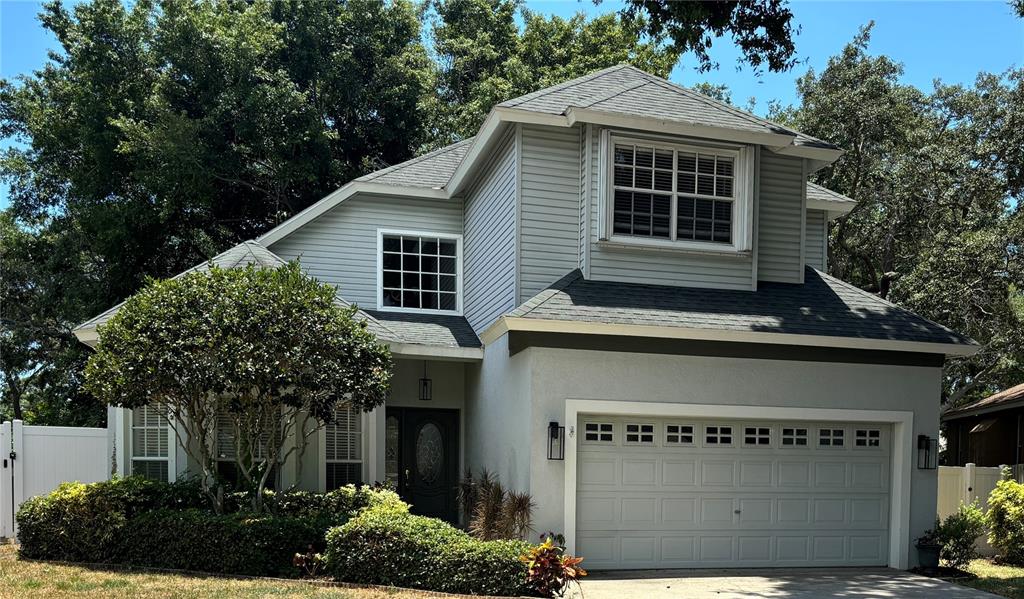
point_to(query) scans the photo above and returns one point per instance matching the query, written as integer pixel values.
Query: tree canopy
(270, 348)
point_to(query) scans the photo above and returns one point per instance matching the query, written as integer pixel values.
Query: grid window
(830, 437)
(757, 435)
(640, 434)
(150, 443)
(794, 437)
(344, 448)
(419, 272)
(679, 434)
(871, 437)
(649, 182)
(718, 435)
(599, 432)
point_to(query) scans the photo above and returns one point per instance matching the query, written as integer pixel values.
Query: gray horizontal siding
(340, 247)
(656, 267)
(780, 218)
(549, 212)
(816, 240)
(489, 265)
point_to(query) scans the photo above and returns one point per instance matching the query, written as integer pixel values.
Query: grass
(1007, 581)
(40, 580)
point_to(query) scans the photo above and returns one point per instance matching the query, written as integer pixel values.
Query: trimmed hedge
(146, 523)
(389, 547)
(1005, 520)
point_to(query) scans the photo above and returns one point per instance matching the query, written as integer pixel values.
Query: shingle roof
(432, 169)
(824, 194)
(1004, 399)
(624, 89)
(420, 329)
(823, 305)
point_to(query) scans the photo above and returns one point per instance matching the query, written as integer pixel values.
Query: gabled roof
(823, 198)
(822, 311)
(626, 90)
(1005, 399)
(390, 327)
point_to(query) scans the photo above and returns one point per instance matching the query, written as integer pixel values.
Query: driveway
(803, 583)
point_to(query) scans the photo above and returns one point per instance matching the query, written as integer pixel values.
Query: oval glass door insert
(429, 453)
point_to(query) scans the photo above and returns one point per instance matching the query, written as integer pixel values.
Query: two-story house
(613, 297)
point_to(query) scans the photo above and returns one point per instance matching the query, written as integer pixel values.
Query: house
(987, 432)
(617, 292)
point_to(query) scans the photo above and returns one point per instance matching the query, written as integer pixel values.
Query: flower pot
(928, 554)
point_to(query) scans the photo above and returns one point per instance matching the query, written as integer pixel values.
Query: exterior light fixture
(426, 385)
(556, 441)
(927, 452)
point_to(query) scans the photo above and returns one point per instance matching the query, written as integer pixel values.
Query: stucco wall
(559, 374)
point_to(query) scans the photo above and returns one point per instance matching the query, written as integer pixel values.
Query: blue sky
(951, 41)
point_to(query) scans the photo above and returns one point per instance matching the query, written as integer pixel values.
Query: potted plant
(928, 548)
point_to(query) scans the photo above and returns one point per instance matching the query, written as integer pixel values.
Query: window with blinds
(151, 443)
(344, 448)
(227, 444)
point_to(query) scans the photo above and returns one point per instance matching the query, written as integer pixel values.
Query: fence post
(970, 481)
(18, 463)
(6, 492)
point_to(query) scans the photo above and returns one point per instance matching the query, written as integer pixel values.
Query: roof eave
(514, 323)
(982, 410)
(575, 115)
(837, 207)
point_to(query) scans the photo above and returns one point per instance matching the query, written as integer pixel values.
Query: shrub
(231, 544)
(492, 511)
(957, 534)
(387, 546)
(1005, 520)
(549, 571)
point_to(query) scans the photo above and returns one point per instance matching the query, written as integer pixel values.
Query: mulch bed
(945, 573)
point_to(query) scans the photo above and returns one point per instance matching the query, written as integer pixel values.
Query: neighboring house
(987, 432)
(642, 265)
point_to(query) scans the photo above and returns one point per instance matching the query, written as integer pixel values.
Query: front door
(423, 448)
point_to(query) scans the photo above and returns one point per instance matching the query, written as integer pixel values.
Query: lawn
(1007, 581)
(38, 580)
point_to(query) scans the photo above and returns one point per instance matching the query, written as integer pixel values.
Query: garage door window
(639, 434)
(678, 434)
(794, 437)
(757, 435)
(718, 435)
(871, 437)
(830, 437)
(598, 432)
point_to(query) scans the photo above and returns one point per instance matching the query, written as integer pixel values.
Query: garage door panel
(665, 504)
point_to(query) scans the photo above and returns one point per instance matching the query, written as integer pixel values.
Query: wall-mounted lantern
(426, 385)
(556, 441)
(927, 452)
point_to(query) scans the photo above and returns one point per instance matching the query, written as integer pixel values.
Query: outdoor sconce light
(426, 385)
(556, 441)
(927, 452)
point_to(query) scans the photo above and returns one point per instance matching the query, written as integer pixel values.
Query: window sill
(675, 247)
(418, 311)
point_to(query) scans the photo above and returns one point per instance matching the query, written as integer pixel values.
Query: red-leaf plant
(549, 571)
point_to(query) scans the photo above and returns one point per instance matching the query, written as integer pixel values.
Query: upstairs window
(420, 272)
(680, 195)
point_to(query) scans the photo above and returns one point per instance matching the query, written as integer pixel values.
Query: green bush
(1005, 520)
(957, 534)
(390, 547)
(231, 544)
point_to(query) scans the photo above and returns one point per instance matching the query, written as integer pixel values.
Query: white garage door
(685, 493)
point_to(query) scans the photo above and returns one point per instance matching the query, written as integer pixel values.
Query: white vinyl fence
(964, 484)
(36, 459)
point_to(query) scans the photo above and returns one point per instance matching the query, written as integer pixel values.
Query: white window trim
(458, 271)
(794, 445)
(368, 441)
(640, 433)
(868, 447)
(718, 435)
(743, 203)
(771, 436)
(831, 445)
(903, 449)
(172, 448)
(694, 434)
(598, 441)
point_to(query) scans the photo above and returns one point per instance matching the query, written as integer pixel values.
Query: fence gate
(36, 459)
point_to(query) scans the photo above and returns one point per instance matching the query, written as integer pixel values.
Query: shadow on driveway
(814, 583)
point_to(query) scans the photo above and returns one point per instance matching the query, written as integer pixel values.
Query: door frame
(455, 458)
(902, 450)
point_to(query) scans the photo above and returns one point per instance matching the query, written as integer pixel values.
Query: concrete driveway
(803, 583)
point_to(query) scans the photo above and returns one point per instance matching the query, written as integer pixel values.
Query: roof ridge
(414, 160)
(540, 93)
(615, 91)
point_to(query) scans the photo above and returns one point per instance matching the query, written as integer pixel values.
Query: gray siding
(489, 265)
(549, 212)
(656, 267)
(780, 218)
(340, 247)
(816, 240)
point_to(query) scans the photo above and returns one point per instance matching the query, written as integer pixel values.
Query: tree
(484, 58)
(762, 30)
(269, 347)
(937, 179)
